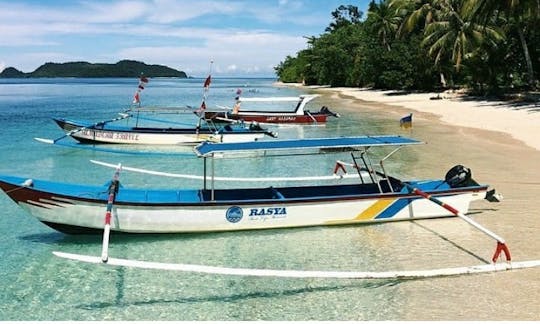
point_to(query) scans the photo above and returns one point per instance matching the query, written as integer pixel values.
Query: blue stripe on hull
(394, 208)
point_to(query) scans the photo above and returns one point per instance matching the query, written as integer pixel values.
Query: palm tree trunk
(530, 71)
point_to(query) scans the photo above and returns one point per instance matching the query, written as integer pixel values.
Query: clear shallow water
(39, 286)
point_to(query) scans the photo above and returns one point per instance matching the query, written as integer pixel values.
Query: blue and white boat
(106, 133)
(377, 197)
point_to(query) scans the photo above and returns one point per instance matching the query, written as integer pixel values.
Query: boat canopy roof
(276, 99)
(347, 143)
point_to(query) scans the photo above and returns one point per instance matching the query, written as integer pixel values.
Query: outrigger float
(378, 197)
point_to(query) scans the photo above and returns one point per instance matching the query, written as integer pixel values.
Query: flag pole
(207, 82)
(206, 87)
(136, 98)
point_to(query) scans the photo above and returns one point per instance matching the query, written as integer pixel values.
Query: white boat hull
(112, 137)
(223, 217)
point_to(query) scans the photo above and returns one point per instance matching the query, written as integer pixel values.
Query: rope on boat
(399, 274)
(236, 179)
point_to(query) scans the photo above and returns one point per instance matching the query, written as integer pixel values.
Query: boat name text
(110, 135)
(271, 211)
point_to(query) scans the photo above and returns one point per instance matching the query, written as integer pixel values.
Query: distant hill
(124, 68)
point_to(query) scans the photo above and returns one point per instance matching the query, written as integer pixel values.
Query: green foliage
(125, 68)
(11, 72)
(488, 46)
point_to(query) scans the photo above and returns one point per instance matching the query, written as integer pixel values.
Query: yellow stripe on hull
(368, 214)
(374, 210)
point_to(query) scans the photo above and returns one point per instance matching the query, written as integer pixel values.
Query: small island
(121, 69)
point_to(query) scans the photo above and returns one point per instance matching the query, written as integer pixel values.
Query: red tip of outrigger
(501, 247)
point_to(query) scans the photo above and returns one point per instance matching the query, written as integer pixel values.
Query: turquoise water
(39, 286)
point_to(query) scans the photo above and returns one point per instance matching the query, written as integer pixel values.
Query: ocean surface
(36, 285)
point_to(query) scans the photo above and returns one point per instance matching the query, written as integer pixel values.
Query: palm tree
(449, 34)
(518, 13)
(454, 35)
(415, 12)
(384, 21)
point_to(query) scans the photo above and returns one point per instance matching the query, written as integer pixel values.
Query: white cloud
(241, 52)
(110, 12)
(155, 32)
(169, 11)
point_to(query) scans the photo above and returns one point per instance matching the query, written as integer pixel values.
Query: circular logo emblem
(234, 214)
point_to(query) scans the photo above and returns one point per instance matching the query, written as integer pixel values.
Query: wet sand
(509, 165)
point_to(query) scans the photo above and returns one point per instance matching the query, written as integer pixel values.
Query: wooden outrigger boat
(78, 208)
(298, 116)
(105, 133)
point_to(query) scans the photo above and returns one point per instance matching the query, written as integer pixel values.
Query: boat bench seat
(240, 194)
(296, 192)
(329, 191)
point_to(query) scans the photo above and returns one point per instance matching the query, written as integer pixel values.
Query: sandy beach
(500, 142)
(520, 120)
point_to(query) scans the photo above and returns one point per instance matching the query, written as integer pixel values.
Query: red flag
(136, 99)
(207, 82)
(144, 79)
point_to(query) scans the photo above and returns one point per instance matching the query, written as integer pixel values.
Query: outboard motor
(459, 176)
(255, 126)
(325, 110)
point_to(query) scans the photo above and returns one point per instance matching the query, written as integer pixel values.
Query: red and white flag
(142, 83)
(136, 98)
(207, 82)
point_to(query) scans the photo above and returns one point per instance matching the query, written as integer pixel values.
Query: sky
(239, 37)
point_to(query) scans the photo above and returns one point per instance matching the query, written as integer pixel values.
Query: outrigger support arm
(113, 190)
(501, 244)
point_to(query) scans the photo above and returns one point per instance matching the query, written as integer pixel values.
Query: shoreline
(497, 141)
(520, 120)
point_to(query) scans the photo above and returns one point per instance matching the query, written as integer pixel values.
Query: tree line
(486, 46)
